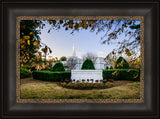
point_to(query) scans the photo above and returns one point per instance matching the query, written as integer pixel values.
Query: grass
(50, 90)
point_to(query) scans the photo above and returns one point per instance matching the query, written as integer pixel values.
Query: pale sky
(61, 42)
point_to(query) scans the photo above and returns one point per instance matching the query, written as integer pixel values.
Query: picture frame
(11, 10)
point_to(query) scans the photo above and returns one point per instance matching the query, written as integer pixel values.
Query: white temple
(99, 64)
(78, 75)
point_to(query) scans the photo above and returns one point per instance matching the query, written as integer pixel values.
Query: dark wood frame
(13, 8)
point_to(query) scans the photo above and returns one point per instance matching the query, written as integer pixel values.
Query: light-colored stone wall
(86, 74)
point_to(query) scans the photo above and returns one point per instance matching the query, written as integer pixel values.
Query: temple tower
(74, 52)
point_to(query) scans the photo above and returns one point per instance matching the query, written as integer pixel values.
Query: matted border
(18, 100)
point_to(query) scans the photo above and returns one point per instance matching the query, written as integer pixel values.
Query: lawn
(50, 90)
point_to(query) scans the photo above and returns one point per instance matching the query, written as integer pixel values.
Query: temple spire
(74, 52)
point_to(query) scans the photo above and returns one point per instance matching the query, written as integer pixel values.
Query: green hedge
(24, 73)
(52, 76)
(122, 74)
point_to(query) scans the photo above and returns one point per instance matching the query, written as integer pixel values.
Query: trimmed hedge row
(24, 73)
(52, 76)
(116, 74)
(122, 74)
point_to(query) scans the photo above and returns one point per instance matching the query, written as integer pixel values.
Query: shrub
(107, 67)
(122, 74)
(88, 64)
(52, 76)
(111, 67)
(121, 63)
(58, 67)
(24, 73)
(63, 58)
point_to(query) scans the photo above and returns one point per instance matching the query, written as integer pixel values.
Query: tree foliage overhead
(30, 42)
(88, 64)
(112, 29)
(121, 63)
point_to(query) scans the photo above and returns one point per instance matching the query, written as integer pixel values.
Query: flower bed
(86, 86)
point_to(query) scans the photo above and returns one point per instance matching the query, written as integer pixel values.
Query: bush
(111, 67)
(122, 74)
(86, 86)
(58, 67)
(121, 63)
(88, 64)
(63, 58)
(24, 73)
(52, 76)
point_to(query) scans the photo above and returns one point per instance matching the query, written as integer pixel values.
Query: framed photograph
(80, 59)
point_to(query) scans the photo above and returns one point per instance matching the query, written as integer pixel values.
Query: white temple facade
(99, 64)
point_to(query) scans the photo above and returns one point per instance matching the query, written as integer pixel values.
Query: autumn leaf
(80, 24)
(129, 23)
(50, 50)
(128, 52)
(22, 41)
(113, 52)
(50, 22)
(112, 34)
(44, 50)
(28, 42)
(30, 33)
(71, 25)
(35, 25)
(90, 21)
(23, 26)
(61, 21)
(54, 22)
(26, 37)
(43, 66)
(36, 43)
(66, 28)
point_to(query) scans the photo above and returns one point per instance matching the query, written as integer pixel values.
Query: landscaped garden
(103, 74)
(57, 84)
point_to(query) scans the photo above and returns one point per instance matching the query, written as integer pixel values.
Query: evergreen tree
(121, 63)
(88, 64)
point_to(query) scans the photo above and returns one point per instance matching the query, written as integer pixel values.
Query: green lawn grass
(50, 90)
